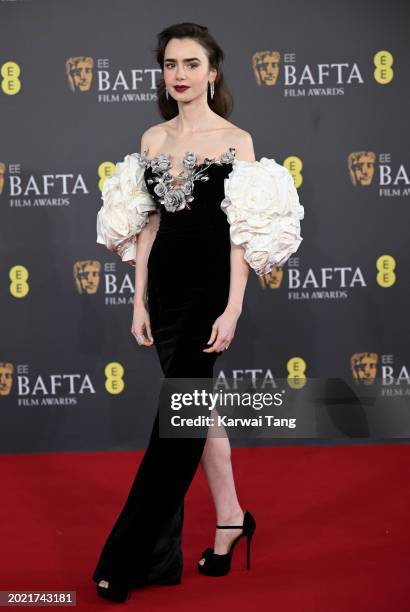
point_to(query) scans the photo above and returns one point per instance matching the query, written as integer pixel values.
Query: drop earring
(166, 93)
(212, 89)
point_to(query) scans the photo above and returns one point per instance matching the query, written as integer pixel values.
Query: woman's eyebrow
(188, 59)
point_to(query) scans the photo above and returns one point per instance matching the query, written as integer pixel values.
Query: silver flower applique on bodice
(176, 192)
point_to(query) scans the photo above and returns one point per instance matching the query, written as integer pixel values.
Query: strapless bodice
(256, 202)
(202, 211)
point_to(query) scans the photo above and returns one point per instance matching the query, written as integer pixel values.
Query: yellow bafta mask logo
(273, 279)
(2, 176)
(364, 367)
(265, 65)
(361, 167)
(79, 73)
(87, 276)
(6, 377)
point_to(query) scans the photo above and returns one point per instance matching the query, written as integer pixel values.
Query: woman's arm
(239, 279)
(224, 327)
(145, 240)
(141, 324)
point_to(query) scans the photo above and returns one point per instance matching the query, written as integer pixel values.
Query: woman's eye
(190, 65)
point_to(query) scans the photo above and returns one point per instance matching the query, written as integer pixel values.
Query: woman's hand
(141, 324)
(223, 331)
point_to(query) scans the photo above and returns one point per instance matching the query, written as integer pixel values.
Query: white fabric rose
(263, 209)
(125, 209)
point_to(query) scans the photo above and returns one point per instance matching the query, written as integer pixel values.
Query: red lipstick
(181, 87)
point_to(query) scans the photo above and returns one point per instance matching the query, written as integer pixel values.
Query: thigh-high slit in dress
(187, 289)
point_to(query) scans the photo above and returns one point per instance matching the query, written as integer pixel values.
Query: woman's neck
(193, 118)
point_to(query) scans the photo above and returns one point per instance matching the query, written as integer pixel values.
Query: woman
(185, 212)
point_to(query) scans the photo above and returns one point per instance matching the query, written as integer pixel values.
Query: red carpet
(332, 530)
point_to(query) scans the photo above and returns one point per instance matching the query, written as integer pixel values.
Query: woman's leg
(144, 545)
(217, 466)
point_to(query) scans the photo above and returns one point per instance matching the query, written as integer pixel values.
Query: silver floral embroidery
(176, 192)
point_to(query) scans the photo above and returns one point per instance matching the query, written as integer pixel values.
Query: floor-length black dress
(187, 289)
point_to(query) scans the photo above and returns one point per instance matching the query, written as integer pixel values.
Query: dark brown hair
(222, 102)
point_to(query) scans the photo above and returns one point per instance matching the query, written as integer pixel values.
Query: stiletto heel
(248, 551)
(220, 565)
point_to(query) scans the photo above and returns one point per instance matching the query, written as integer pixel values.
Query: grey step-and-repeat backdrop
(324, 89)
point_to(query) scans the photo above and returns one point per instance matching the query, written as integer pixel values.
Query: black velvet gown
(187, 290)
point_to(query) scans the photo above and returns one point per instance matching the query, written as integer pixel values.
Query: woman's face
(186, 63)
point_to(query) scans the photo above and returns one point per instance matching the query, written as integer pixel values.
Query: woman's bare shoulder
(243, 143)
(154, 136)
(230, 135)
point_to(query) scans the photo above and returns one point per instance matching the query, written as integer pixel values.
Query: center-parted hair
(222, 102)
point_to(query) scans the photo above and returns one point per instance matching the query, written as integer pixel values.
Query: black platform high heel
(116, 591)
(220, 565)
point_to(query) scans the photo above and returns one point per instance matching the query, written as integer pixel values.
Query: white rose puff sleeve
(125, 210)
(264, 212)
